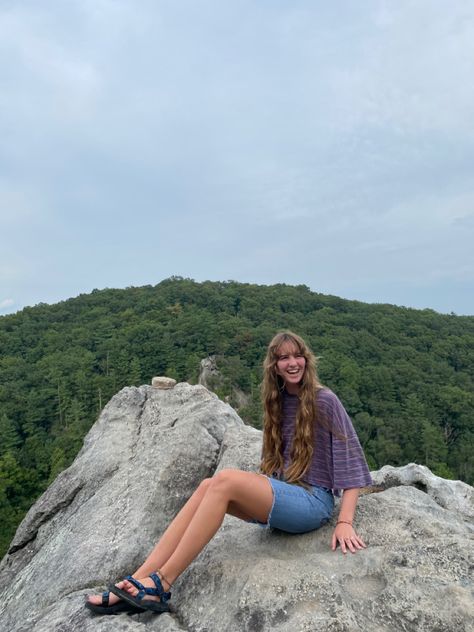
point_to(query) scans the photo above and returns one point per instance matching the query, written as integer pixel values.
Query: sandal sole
(117, 608)
(143, 604)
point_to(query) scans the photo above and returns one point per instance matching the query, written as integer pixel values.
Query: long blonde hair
(306, 415)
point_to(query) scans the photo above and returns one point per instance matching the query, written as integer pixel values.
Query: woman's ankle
(165, 582)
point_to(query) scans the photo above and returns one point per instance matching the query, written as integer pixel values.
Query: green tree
(135, 372)
(10, 438)
(434, 447)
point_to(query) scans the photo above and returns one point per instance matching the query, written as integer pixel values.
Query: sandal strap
(105, 598)
(140, 587)
(153, 592)
(160, 591)
(135, 582)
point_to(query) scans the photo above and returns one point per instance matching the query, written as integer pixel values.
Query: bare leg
(242, 494)
(168, 541)
(173, 534)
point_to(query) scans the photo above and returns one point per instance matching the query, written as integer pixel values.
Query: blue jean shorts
(296, 509)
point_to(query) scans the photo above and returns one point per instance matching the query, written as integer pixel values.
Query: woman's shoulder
(324, 396)
(329, 404)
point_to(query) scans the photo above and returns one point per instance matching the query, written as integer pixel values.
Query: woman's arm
(344, 533)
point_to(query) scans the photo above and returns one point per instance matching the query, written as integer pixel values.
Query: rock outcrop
(209, 374)
(142, 460)
(211, 377)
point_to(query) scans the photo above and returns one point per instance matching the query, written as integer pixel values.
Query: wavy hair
(306, 415)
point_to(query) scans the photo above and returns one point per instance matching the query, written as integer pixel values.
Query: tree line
(404, 375)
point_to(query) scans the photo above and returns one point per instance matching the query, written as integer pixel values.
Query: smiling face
(290, 366)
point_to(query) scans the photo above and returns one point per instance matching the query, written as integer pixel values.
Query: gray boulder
(453, 495)
(143, 459)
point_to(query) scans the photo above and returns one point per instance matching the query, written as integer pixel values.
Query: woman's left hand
(345, 535)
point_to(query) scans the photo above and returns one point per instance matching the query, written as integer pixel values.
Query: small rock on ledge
(163, 382)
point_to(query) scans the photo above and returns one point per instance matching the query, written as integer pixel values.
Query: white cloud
(16, 205)
(7, 302)
(407, 74)
(64, 81)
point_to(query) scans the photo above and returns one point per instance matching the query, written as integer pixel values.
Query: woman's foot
(147, 594)
(108, 603)
(148, 583)
(97, 599)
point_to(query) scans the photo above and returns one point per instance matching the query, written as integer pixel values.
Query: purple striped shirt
(338, 459)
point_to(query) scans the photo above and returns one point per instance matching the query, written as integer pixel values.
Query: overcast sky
(322, 143)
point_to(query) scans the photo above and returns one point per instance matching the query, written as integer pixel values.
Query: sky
(329, 144)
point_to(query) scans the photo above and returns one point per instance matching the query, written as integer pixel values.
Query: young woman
(310, 452)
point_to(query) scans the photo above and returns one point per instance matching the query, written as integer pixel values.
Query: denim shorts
(296, 509)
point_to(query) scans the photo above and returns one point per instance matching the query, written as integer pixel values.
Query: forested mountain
(406, 376)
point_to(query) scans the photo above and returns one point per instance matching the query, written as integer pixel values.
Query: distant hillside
(406, 376)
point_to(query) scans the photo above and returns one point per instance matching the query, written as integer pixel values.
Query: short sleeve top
(338, 459)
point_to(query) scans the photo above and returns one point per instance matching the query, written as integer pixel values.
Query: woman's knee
(224, 481)
(203, 487)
